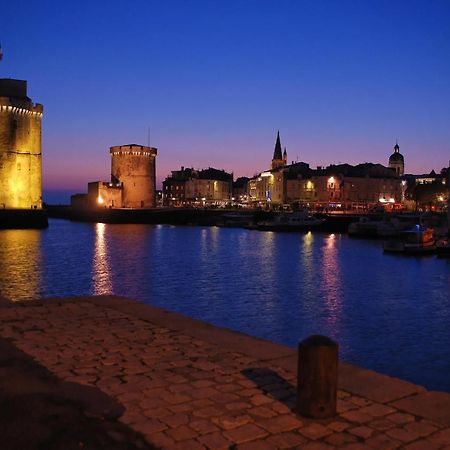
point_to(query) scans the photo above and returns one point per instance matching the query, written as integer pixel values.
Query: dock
(153, 378)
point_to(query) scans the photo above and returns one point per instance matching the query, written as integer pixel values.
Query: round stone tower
(396, 161)
(20, 147)
(134, 167)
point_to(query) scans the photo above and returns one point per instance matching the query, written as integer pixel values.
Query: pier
(179, 383)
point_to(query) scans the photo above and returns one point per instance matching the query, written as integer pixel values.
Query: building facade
(20, 147)
(197, 187)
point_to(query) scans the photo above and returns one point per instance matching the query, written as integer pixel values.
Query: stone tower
(277, 160)
(396, 161)
(134, 167)
(20, 147)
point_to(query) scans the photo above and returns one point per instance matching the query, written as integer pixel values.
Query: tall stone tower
(20, 147)
(134, 167)
(396, 161)
(277, 160)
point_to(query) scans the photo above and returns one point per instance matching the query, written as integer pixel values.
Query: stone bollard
(317, 377)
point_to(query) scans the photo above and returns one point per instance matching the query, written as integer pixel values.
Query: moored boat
(417, 241)
(296, 221)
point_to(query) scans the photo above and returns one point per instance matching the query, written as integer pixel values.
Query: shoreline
(181, 366)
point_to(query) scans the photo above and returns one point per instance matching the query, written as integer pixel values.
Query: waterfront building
(240, 190)
(364, 186)
(132, 184)
(20, 147)
(189, 186)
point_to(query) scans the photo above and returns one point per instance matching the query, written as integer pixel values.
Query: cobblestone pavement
(193, 386)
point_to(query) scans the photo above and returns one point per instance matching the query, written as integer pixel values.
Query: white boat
(416, 241)
(295, 221)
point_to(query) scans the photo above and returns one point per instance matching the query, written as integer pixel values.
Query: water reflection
(332, 280)
(101, 274)
(20, 264)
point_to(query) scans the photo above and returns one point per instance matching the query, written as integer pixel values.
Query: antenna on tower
(148, 137)
(1, 52)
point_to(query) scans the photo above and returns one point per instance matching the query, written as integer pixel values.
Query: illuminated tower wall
(20, 147)
(134, 166)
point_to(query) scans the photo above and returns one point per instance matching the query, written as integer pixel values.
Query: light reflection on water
(101, 272)
(388, 313)
(20, 264)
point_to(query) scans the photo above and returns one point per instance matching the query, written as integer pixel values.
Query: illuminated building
(197, 187)
(20, 147)
(342, 186)
(133, 181)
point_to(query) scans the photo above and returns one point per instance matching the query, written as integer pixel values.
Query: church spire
(277, 152)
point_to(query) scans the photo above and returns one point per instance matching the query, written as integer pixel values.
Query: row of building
(361, 187)
(133, 175)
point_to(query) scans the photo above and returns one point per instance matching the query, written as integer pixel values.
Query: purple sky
(215, 80)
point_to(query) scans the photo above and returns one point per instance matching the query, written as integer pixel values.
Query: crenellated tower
(20, 147)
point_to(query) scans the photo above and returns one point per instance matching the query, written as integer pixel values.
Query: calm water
(388, 313)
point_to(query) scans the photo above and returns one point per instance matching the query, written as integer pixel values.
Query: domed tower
(396, 161)
(20, 147)
(134, 167)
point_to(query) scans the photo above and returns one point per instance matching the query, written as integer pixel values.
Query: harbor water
(389, 313)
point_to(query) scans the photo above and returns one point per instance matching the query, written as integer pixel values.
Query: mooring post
(317, 377)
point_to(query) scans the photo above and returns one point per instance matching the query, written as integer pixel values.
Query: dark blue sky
(215, 80)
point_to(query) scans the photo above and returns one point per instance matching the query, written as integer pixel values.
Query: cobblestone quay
(185, 384)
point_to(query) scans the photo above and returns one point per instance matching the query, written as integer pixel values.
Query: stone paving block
(339, 425)
(383, 442)
(181, 433)
(362, 431)
(245, 433)
(228, 422)
(400, 418)
(149, 426)
(262, 411)
(260, 444)
(356, 416)
(280, 423)
(203, 426)
(214, 440)
(441, 437)
(161, 440)
(316, 446)
(340, 439)
(190, 444)
(315, 431)
(286, 440)
(377, 410)
(381, 424)
(422, 444)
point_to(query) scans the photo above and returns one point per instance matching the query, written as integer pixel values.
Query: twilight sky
(214, 80)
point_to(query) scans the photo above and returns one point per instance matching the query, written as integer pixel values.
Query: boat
(416, 241)
(364, 227)
(238, 220)
(291, 221)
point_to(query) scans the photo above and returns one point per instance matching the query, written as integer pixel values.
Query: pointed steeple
(277, 152)
(396, 147)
